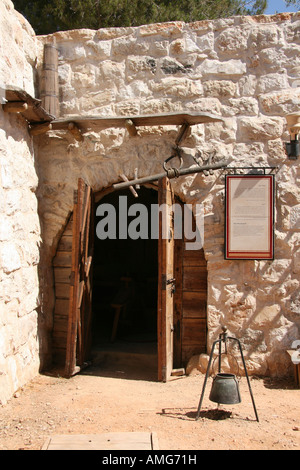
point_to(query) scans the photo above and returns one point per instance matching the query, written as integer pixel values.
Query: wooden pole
(38, 129)
(15, 107)
(171, 174)
(50, 91)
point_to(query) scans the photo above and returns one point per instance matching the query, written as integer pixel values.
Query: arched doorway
(81, 264)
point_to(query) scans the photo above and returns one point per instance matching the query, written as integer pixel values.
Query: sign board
(249, 217)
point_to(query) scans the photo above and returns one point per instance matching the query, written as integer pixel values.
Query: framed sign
(249, 217)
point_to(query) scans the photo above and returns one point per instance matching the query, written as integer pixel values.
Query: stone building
(244, 70)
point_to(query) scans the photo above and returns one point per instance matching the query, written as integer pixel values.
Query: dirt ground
(100, 401)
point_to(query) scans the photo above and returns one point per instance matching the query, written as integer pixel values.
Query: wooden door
(166, 281)
(80, 303)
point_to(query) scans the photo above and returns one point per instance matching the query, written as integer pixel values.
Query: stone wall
(19, 222)
(246, 69)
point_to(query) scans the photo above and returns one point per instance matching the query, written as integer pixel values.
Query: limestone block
(70, 52)
(247, 85)
(244, 106)
(97, 99)
(251, 149)
(282, 337)
(207, 105)
(128, 46)
(159, 48)
(5, 229)
(276, 150)
(83, 80)
(273, 81)
(256, 364)
(100, 50)
(205, 42)
(197, 364)
(252, 340)
(267, 317)
(29, 279)
(111, 73)
(292, 32)
(29, 252)
(261, 128)
(295, 217)
(233, 41)
(170, 66)
(295, 303)
(180, 87)
(64, 74)
(11, 290)
(276, 272)
(288, 194)
(274, 60)
(140, 67)
(159, 105)
(177, 47)
(28, 304)
(6, 176)
(232, 67)
(191, 45)
(220, 88)
(265, 37)
(9, 256)
(281, 102)
(225, 132)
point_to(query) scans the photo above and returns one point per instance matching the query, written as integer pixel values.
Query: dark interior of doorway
(125, 279)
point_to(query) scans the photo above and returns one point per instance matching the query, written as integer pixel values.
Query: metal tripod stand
(223, 337)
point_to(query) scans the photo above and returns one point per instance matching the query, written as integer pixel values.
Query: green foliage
(293, 2)
(59, 15)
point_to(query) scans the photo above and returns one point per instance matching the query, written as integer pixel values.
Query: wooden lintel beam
(75, 131)
(15, 107)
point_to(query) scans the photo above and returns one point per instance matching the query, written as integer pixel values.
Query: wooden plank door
(80, 304)
(166, 283)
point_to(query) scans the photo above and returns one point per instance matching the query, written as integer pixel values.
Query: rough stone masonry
(244, 69)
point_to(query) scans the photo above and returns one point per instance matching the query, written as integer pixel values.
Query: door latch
(167, 282)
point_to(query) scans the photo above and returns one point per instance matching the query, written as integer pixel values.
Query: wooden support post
(131, 128)
(50, 89)
(182, 133)
(15, 107)
(75, 131)
(38, 129)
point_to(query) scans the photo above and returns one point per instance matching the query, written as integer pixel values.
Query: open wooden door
(166, 281)
(80, 304)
